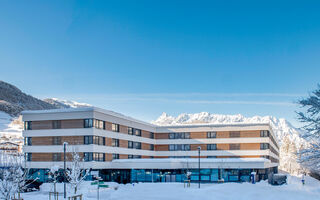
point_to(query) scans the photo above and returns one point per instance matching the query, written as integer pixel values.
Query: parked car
(277, 179)
(32, 185)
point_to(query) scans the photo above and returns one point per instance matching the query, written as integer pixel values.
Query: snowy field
(175, 191)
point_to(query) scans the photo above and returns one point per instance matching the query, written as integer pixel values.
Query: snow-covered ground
(294, 190)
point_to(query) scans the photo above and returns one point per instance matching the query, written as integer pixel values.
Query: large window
(99, 124)
(115, 156)
(211, 147)
(56, 140)
(182, 135)
(137, 145)
(56, 124)
(151, 135)
(179, 147)
(134, 145)
(88, 156)
(264, 146)
(88, 139)
(151, 147)
(28, 125)
(211, 134)
(28, 141)
(264, 133)
(115, 142)
(134, 156)
(29, 156)
(94, 140)
(137, 132)
(115, 127)
(130, 131)
(88, 123)
(99, 157)
(56, 157)
(130, 144)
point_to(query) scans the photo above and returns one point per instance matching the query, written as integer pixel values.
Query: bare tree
(75, 172)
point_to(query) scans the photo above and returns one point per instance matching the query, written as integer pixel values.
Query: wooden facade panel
(223, 134)
(74, 123)
(194, 147)
(108, 126)
(145, 146)
(108, 157)
(161, 147)
(123, 143)
(222, 146)
(198, 135)
(161, 135)
(249, 133)
(123, 129)
(39, 125)
(123, 156)
(249, 146)
(145, 134)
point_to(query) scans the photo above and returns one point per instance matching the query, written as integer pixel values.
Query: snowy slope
(288, 136)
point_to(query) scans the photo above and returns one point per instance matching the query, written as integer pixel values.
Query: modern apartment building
(124, 149)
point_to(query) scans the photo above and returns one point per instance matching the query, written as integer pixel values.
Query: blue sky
(142, 58)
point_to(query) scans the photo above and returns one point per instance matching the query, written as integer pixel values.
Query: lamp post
(199, 149)
(64, 170)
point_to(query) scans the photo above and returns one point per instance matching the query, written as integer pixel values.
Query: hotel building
(123, 149)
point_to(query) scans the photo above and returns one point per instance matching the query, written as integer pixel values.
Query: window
(99, 157)
(88, 156)
(102, 140)
(137, 132)
(179, 147)
(115, 142)
(130, 156)
(264, 146)
(88, 123)
(130, 144)
(151, 135)
(137, 145)
(234, 146)
(130, 131)
(88, 139)
(264, 133)
(136, 156)
(56, 157)
(211, 134)
(179, 135)
(99, 124)
(115, 156)
(56, 124)
(96, 139)
(28, 141)
(56, 140)
(211, 156)
(151, 147)
(233, 134)
(28, 125)
(29, 156)
(211, 147)
(115, 127)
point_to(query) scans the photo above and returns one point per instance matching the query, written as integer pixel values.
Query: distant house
(10, 148)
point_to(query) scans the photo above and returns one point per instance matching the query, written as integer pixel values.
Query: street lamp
(199, 149)
(64, 169)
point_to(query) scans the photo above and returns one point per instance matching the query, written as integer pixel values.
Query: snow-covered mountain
(289, 137)
(65, 103)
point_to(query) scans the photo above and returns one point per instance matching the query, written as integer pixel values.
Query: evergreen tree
(310, 156)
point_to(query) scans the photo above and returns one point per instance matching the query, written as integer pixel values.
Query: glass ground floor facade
(167, 175)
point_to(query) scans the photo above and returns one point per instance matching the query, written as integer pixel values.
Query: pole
(64, 168)
(199, 148)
